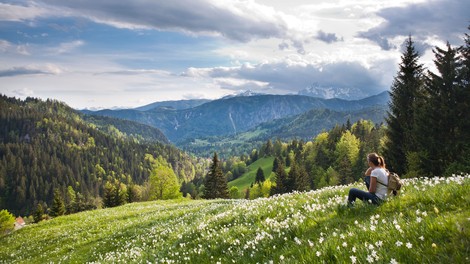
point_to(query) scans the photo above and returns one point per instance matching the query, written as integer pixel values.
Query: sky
(106, 53)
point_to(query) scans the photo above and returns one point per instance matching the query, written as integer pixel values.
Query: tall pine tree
(58, 206)
(405, 93)
(440, 118)
(215, 182)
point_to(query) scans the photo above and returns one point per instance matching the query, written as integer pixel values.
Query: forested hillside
(46, 146)
(234, 115)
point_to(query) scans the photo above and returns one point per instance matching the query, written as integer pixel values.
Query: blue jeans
(367, 181)
(362, 195)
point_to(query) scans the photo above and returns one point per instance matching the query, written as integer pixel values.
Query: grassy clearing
(248, 177)
(428, 223)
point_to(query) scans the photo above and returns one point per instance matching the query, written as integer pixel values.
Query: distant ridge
(233, 115)
(176, 105)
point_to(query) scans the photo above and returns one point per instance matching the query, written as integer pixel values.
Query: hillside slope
(428, 223)
(46, 145)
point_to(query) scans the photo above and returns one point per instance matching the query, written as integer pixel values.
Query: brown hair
(376, 160)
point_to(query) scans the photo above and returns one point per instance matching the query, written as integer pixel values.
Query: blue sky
(103, 54)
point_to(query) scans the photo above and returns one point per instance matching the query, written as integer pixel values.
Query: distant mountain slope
(177, 105)
(303, 126)
(234, 115)
(129, 128)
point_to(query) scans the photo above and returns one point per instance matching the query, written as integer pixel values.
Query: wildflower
(354, 249)
(353, 259)
(298, 241)
(310, 243)
(345, 244)
(434, 245)
(436, 210)
(393, 261)
(409, 245)
(281, 257)
(421, 238)
(418, 219)
(399, 243)
(370, 259)
(318, 253)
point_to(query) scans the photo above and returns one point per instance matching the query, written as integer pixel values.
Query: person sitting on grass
(378, 174)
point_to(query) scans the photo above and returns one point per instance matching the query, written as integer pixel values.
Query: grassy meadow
(428, 223)
(244, 181)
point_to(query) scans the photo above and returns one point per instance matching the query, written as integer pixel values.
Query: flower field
(428, 223)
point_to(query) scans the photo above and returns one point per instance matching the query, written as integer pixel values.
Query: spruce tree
(404, 97)
(259, 176)
(281, 180)
(441, 116)
(300, 179)
(58, 206)
(38, 213)
(215, 182)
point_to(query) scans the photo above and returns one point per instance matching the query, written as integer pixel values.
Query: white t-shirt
(382, 176)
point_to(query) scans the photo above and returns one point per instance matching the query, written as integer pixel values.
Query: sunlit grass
(428, 223)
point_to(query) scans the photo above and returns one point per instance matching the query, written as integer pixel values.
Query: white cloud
(18, 12)
(67, 47)
(446, 19)
(48, 69)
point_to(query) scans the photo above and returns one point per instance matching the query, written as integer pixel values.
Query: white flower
(310, 243)
(354, 249)
(353, 259)
(419, 219)
(421, 238)
(318, 253)
(393, 261)
(409, 245)
(281, 257)
(399, 243)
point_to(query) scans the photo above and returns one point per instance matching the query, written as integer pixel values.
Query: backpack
(394, 183)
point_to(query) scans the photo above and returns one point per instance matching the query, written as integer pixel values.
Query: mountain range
(183, 121)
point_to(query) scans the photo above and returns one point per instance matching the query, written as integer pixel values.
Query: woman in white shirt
(378, 182)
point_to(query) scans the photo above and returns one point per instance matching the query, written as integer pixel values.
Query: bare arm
(368, 171)
(373, 184)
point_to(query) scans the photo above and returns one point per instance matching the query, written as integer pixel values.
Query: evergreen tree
(215, 181)
(259, 176)
(58, 206)
(300, 179)
(281, 181)
(108, 195)
(38, 213)
(276, 163)
(404, 95)
(440, 118)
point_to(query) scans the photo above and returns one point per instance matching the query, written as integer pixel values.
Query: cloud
(18, 12)
(17, 71)
(291, 77)
(237, 20)
(68, 47)
(327, 37)
(446, 19)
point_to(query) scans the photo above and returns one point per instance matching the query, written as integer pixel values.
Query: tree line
(429, 121)
(45, 146)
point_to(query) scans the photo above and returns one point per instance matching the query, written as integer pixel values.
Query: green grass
(428, 223)
(248, 177)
